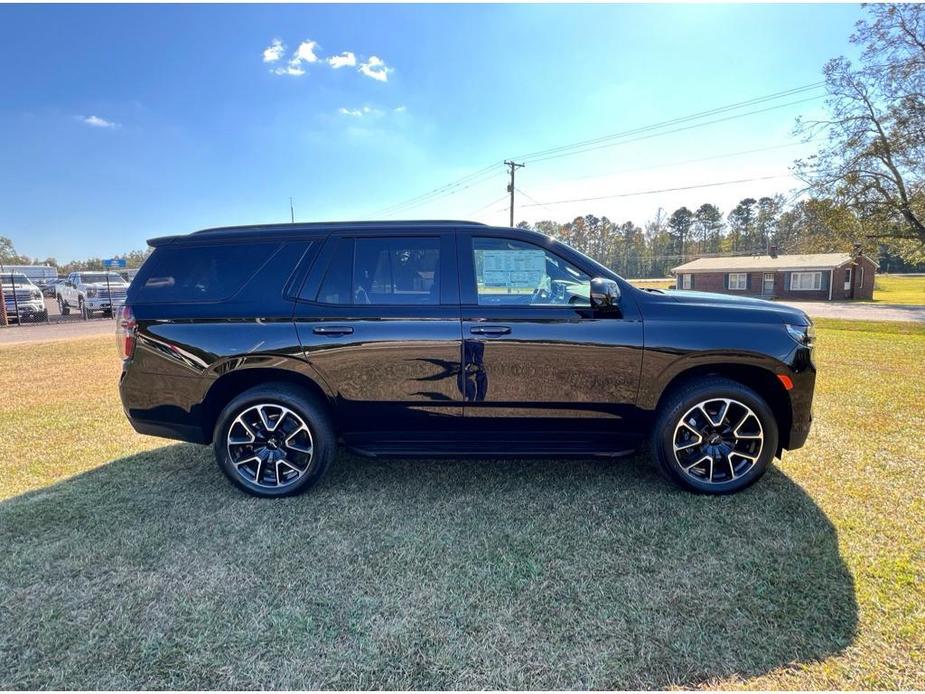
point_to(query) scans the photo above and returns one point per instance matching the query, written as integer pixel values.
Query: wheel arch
(762, 380)
(231, 384)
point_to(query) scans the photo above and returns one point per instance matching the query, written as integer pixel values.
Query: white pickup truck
(89, 292)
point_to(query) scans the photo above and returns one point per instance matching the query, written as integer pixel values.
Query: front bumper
(28, 310)
(102, 303)
(803, 375)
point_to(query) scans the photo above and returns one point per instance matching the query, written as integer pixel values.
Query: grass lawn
(899, 289)
(130, 562)
(659, 283)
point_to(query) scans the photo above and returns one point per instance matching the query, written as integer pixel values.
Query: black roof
(302, 228)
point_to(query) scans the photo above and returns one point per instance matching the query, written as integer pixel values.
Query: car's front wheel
(714, 436)
(63, 308)
(274, 440)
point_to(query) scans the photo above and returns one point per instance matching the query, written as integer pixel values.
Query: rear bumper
(158, 405)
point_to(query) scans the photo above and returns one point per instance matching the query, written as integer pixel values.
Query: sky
(121, 123)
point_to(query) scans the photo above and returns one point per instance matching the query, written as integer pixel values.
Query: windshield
(100, 278)
(16, 277)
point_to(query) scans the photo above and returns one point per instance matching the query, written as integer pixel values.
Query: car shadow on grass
(154, 572)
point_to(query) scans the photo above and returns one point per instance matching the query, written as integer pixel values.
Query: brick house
(815, 276)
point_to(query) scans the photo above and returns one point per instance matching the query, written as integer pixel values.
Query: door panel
(391, 367)
(544, 369)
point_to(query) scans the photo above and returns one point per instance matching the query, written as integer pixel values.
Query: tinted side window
(199, 273)
(509, 272)
(335, 289)
(384, 271)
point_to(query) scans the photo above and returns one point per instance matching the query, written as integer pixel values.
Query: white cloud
(293, 69)
(306, 52)
(359, 112)
(400, 109)
(376, 68)
(274, 51)
(345, 59)
(98, 122)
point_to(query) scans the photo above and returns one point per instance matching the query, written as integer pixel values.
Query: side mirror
(605, 294)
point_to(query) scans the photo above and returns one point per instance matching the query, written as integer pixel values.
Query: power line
(675, 121)
(686, 161)
(484, 207)
(671, 132)
(663, 190)
(440, 189)
(601, 142)
(458, 187)
(530, 197)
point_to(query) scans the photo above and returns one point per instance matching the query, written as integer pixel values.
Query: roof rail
(341, 225)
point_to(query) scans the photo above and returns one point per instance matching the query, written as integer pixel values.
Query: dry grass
(899, 289)
(131, 563)
(659, 283)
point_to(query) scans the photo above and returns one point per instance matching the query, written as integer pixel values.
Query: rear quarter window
(181, 274)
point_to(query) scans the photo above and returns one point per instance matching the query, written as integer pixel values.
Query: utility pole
(513, 166)
(291, 211)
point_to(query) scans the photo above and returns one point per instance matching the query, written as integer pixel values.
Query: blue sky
(118, 123)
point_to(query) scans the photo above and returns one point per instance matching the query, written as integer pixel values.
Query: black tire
(729, 474)
(305, 405)
(63, 308)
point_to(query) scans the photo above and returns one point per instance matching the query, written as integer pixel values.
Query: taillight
(125, 332)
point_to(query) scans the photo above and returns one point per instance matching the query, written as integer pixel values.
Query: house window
(686, 281)
(847, 278)
(738, 280)
(767, 285)
(861, 276)
(805, 281)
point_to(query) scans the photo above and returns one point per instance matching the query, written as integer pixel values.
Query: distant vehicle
(23, 300)
(39, 275)
(450, 338)
(50, 288)
(91, 292)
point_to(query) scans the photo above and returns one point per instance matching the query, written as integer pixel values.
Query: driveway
(860, 311)
(51, 332)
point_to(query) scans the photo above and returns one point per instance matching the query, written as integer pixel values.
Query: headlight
(91, 293)
(37, 294)
(803, 334)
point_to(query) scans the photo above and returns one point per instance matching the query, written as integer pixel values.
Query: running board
(461, 449)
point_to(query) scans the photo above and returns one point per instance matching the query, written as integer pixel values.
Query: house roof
(813, 261)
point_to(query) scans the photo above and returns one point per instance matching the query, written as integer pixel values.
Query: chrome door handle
(333, 330)
(490, 330)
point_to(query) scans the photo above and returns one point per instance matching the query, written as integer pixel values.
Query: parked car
(91, 292)
(23, 300)
(50, 288)
(273, 343)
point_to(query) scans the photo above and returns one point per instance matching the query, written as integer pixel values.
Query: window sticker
(516, 269)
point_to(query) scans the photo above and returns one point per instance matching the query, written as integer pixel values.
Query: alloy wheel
(270, 445)
(718, 440)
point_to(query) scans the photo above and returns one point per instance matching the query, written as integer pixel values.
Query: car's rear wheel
(274, 440)
(714, 436)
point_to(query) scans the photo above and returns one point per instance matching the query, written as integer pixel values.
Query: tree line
(752, 227)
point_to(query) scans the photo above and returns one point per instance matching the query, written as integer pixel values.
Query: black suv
(273, 343)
